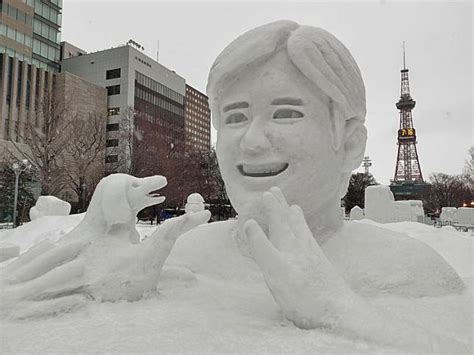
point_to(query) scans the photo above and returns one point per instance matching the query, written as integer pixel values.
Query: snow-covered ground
(191, 313)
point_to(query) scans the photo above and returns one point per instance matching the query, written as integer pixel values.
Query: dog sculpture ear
(115, 205)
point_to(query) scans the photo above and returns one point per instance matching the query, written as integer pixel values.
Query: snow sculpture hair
(320, 57)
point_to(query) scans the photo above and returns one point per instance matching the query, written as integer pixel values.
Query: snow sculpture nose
(255, 138)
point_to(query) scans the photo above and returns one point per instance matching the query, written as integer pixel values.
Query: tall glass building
(30, 30)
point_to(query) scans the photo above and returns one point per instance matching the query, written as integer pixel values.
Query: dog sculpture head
(119, 197)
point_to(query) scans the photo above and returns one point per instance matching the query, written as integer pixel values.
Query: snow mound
(51, 228)
(8, 251)
(455, 247)
(212, 299)
(49, 206)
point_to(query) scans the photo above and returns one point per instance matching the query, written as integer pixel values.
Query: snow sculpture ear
(115, 205)
(355, 139)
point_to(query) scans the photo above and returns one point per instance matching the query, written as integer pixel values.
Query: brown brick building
(197, 121)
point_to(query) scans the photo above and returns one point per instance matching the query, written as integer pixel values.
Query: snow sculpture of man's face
(275, 131)
(289, 104)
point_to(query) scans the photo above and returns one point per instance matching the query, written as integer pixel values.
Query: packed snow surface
(213, 299)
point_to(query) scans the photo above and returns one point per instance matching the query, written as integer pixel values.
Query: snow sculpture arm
(312, 294)
(100, 259)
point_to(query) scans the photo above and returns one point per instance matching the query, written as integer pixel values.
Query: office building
(68, 51)
(30, 31)
(29, 55)
(146, 109)
(23, 88)
(198, 121)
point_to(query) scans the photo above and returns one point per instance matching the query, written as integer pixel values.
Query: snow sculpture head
(195, 203)
(119, 197)
(288, 102)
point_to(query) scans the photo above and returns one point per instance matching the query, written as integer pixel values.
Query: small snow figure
(195, 203)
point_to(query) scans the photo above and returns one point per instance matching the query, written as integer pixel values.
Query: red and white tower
(407, 168)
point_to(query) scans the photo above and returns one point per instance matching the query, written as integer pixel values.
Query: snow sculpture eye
(286, 113)
(235, 118)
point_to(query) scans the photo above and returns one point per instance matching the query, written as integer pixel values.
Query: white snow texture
(289, 105)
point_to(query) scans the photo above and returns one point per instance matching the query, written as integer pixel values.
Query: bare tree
(469, 166)
(85, 155)
(446, 191)
(46, 142)
(134, 153)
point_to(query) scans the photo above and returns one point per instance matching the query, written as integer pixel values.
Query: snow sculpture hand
(100, 259)
(301, 279)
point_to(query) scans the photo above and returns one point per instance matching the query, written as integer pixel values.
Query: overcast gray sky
(439, 46)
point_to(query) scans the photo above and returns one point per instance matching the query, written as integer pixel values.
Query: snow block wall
(49, 206)
(380, 206)
(448, 214)
(465, 215)
(461, 215)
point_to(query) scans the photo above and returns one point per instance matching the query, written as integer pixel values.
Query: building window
(113, 90)
(112, 127)
(111, 158)
(112, 143)
(113, 111)
(112, 73)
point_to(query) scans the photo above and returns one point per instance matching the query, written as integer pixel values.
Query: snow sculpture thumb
(195, 203)
(49, 206)
(101, 259)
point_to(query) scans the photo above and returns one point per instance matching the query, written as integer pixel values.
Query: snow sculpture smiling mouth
(262, 170)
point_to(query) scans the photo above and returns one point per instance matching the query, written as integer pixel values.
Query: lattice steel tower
(408, 164)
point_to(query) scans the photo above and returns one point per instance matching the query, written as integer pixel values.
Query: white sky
(439, 45)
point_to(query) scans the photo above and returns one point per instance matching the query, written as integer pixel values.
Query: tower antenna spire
(404, 66)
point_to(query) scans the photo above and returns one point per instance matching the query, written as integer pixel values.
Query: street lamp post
(18, 168)
(83, 196)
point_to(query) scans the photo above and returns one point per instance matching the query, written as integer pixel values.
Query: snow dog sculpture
(50, 278)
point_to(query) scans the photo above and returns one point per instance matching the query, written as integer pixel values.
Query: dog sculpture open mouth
(153, 193)
(144, 191)
(262, 170)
